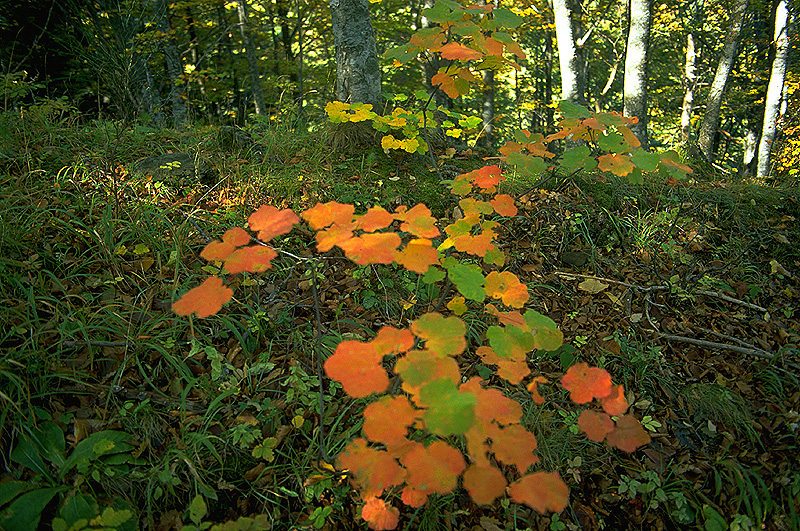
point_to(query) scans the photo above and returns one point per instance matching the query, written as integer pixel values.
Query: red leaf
(504, 205)
(615, 403)
(418, 255)
(372, 248)
(380, 516)
(628, 435)
(357, 366)
(387, 420)
(585, 383)
(253, 259)
(534, 389)
(453, 50)
(484, 483)
(220, 250)
(204, 300)
(271, 222)
(595, 425)
(542, 491)
(323, 214)
(373, 470)
(435, 468)
(413, 497)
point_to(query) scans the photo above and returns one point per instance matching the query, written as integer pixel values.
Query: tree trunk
(635, 86)
(772, 102)
(708, 129)
(252, 60)
(487, 110)
(570, 55)
(180, 116)
(358, 77)
(689, 83)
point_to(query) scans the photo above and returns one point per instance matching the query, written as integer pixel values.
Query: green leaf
(27, 455)
(198, 509)
(578, 157)
(95, 445)
(644, 160)
(450, 412)
(77, 507)
(544, 330)
(613, 142)
(714, 520)
(507, 18)
(570, 110)
(26, 511)
(11, 489)
(432, 275)
(510, 342)
(635, 176)
(468, 279)
(527, 165)
(444, 11)
(402, 54)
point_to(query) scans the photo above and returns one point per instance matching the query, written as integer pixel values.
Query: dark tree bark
(252, 60)
(358, 76)
(180, 115)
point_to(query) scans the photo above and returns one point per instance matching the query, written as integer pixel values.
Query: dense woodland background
(206, 62)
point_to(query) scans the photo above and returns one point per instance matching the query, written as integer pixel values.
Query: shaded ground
(685, 293)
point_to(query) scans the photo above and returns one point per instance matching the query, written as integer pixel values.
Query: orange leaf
(504, 205)
(372, 248)
(435, 468)
(533, 387)
(453, 50)
(486, 177)
(392, 340)
(595, 425)
(507, 287)
(357, 366)
(418, 255)
(629, 137)
(217, 250)
(617, 164)
(492, 405)
(585, 383)
(337, 234)
(323, 214)
(271, 222)
(253, 259)
(615, 403)
(418, 221)
(628, 435)
(413, 497)
(375, 218)
(514, 445)
(443, 336)
(204, 300)
(542, 491)
(373, 470)
(484, 483)
(387, 420)
(513, 371)
(380, 516)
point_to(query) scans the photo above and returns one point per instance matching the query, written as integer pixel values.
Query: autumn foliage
(406, 448)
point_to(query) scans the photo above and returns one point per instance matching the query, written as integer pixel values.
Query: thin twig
(724, 297)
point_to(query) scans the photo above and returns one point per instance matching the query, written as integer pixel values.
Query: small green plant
(42, 453)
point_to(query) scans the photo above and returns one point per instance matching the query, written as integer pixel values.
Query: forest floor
(685, 292)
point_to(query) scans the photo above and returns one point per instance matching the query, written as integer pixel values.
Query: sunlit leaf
(322, 215)
(585, 383)
(372, 248)
(380, 516)
(504, 205)
(204, 300)
(269, 222)
(506, 287)
(387, 420)
(253, 259)
(454, 50)
(357, 366)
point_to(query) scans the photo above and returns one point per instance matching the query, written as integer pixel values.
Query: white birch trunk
(635, 86)
(772, 104)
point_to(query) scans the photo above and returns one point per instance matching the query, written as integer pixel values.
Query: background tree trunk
(635, 86)
(252, 60)
(487, 108)
(573, 79)
(180, 116)
(689, 83)
(358, 77)
(772, 103)
(708, 129)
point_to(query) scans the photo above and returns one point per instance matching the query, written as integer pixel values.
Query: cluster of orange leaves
(499, 449)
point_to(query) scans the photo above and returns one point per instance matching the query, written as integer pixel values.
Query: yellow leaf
(592, 285)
